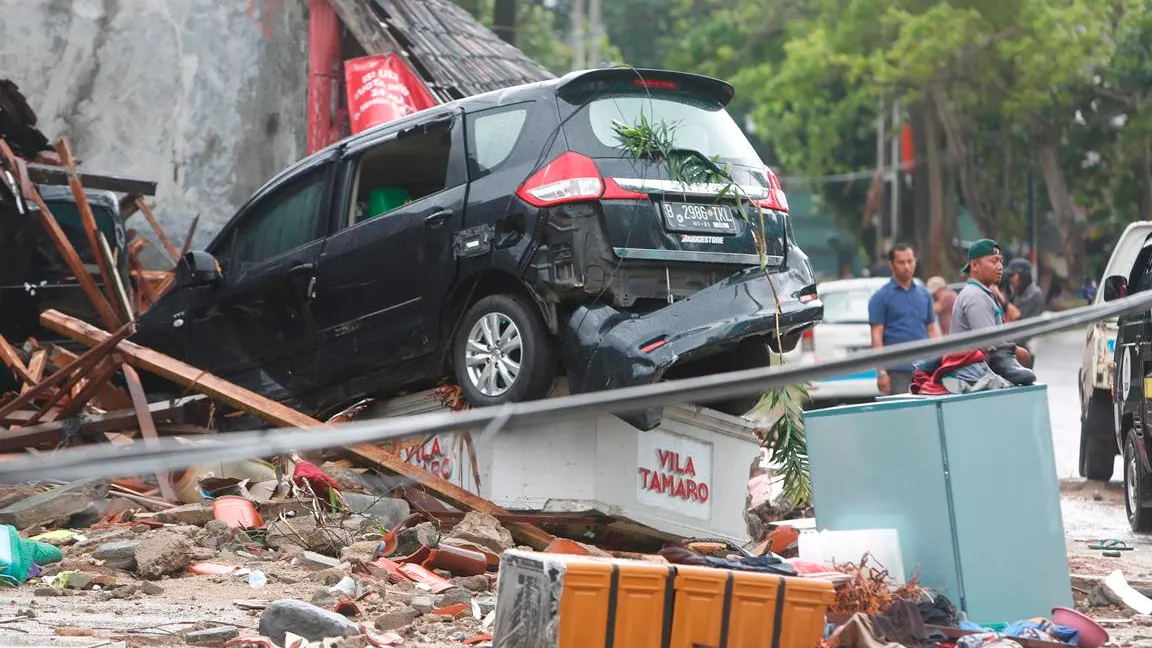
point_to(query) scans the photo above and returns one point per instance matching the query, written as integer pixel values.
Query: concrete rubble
(201, 582)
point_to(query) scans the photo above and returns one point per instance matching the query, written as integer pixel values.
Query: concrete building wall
(205, 97)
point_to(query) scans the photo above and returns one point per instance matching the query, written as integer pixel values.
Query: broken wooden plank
(36, 366)
(278, 414)
(10, 358)
(160, 234)
(96, 380)
(55, 175)
(75, 265)
(92, 424)
(79, 366)
(188, 239)
(147, 428)
(88, 221)
(121, 295)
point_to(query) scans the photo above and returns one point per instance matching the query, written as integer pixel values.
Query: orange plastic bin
(563, 601)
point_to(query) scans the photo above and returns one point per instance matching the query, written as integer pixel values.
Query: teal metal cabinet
(969, 481)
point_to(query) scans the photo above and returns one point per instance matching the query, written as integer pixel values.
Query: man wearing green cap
(979, 306)
(976, 306)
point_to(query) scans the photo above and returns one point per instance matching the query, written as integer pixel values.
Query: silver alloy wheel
(1130, 476)
(494, 354)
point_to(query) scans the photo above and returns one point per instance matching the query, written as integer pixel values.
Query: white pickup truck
(1098, 444)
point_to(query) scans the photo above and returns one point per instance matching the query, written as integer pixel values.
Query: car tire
(1097, 439)
(1136, 487)
(491, 372)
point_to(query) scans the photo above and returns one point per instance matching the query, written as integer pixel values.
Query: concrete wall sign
(674, 472)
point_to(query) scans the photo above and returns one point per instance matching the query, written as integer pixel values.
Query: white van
(1098, 445)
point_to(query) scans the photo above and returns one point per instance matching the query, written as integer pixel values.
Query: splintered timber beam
(147, 427)
(160, 234)
(80, 366)
(192, 378)
(48, 174)
(91, 425)
(87, 219)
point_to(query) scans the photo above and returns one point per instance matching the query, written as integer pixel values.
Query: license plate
(693, 217)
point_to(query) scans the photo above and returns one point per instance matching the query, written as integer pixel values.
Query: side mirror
(198, 269)
(1115, 287)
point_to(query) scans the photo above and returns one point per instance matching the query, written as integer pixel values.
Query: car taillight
(572, 177)
(776, 199)
(808, 341)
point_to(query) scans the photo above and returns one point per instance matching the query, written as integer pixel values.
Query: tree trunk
(504, 20)
(937, 225)
(1071, 244)
(966, 166)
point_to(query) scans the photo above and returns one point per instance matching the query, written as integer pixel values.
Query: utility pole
(894, 223)
(881, 118)
(596, 20)
(579, 57)
(1033, 229)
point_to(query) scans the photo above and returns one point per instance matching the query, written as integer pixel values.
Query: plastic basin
(1091, 634)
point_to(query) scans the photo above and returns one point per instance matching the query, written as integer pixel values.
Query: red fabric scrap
(309, 473)
(926, 385)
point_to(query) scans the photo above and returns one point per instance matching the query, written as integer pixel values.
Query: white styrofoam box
(883, 545)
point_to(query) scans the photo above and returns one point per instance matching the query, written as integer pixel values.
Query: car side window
(285, 220)
(1141, 278)
(492, 136)
(417, 164)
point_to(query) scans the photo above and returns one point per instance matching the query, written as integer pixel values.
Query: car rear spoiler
(584, 81)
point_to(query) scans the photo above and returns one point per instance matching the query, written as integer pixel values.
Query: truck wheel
(1097, 439)
(502, 352)
(1136, 487)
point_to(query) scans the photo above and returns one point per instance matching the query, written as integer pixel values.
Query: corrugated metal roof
(455, 54)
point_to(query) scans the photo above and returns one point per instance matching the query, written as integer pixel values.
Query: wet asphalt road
(1058, 359)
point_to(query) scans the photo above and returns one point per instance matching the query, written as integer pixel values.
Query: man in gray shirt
(976, 306)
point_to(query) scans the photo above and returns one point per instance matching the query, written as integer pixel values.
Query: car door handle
(301, 269)
(438, 219)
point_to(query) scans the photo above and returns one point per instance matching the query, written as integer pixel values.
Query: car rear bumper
(605, 348)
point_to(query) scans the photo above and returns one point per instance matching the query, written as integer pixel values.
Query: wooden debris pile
(57, 397)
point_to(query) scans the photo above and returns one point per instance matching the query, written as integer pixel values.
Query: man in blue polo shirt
(901, 311)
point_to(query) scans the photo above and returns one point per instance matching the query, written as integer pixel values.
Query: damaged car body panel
(506, 239)
(34, 277)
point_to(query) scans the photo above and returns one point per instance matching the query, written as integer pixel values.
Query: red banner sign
(381, 89)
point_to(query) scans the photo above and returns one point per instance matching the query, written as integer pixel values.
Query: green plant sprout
(785, 439)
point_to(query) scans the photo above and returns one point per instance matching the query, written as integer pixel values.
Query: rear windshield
(698, 122)
(846, 306)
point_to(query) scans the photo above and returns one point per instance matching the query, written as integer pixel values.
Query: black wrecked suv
(506, 238)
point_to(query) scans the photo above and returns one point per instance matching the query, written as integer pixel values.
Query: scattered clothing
(19, 556)
(902, 623)
(860, 632)
(939, 612)
(986, 640)
(967, 369)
